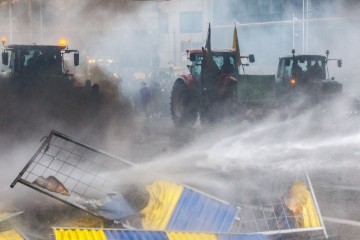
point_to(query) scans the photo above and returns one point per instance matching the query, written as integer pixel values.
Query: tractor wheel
(211, 110)
(183, 105)
(204, 108)
(214, 109)
(231, 106)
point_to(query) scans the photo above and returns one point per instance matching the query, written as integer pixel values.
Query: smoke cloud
(224, 159)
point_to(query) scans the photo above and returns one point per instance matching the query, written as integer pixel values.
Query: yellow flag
(235, 46)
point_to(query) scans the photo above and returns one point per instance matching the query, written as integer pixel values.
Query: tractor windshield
(36, 61)
(302, 68)
(226, 63)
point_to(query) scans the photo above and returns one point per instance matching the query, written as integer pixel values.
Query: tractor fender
(189, 80)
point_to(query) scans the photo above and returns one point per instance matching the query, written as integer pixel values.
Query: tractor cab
(28, 60)
(306, 75)
(222, 62)
(196, 57)
(225, 62)
(299, 69)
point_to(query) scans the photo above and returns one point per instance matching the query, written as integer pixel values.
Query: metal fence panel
(70, 171)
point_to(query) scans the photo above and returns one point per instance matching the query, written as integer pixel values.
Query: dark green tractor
(37, 65)
(302, 81)
(36, 85)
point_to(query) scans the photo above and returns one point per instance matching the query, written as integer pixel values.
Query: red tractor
(209, 90)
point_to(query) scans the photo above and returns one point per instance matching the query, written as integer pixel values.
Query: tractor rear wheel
(183, 105)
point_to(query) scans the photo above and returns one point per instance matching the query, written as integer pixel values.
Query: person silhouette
(316, 70)
(227, 67)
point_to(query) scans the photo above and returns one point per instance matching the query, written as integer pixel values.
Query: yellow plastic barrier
(300, 202)
(77, 234)
(190, 236)
(163, 199)
(10, 235)
(84, 221)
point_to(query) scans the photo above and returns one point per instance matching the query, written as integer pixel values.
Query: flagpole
(293, 32)
(303, 28)
(235, 46)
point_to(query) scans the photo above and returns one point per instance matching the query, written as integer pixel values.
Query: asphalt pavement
(212, 158)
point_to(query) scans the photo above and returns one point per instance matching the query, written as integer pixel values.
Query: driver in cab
(227, 67)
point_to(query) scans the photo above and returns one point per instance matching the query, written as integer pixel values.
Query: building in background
(267, 28)
(149, 33)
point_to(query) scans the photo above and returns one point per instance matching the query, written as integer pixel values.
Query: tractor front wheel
(183, 105)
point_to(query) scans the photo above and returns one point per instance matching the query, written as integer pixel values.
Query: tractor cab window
(302, 68)
(298, 67)
(225, 63)
(196, 66)
(32, 58)
(228, 65)
(17, 61)
(281, 70)
(286, 71)
(37, 60)
(316, 68)
(291, 68)
(12, 61)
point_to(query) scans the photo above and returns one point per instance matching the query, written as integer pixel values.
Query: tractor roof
(21, 47)
(216, 52)
(305, 56)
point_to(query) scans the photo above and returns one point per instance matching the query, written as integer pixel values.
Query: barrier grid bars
(79, 168)
(261, 217)
(258, 216)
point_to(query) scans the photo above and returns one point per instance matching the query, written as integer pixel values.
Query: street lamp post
(10, 23)
(293, 31)
(41, 22)
(303, 27)
(307, 26)
(29, 5)
(304, 43)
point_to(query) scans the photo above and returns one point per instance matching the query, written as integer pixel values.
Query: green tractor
(36, 85)
(36, 65)
(303, 81)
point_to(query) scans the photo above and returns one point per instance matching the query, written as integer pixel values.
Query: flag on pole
(235, 46)
(208, 40)
(210, 64)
